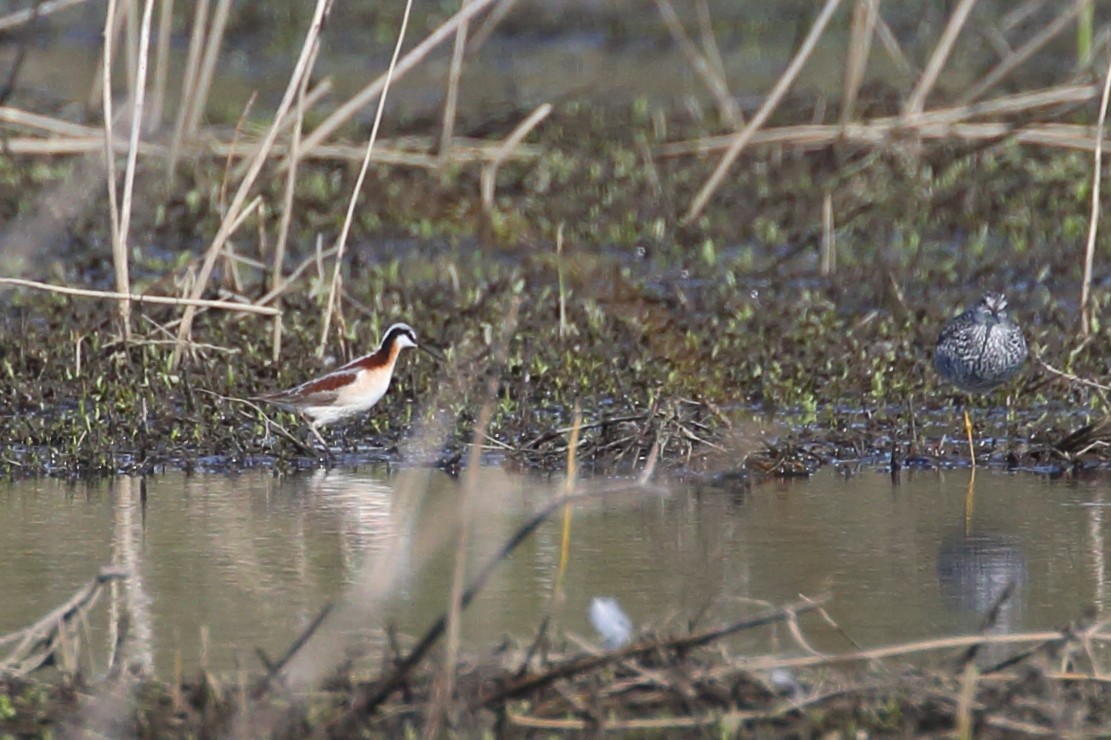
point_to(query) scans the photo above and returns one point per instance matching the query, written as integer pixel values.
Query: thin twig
(860, 46)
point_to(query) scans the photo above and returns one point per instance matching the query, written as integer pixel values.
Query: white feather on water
(612, 624)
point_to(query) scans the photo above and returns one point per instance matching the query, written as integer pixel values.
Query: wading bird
(978, 350)
(348, 390)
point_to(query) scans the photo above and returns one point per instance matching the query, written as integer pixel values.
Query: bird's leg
(968, 431)
(315, 431)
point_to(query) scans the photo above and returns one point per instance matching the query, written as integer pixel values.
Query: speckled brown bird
(979, 350)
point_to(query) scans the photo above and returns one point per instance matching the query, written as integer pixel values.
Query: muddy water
(224, 565)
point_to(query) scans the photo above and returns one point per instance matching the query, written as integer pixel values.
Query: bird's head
(991, 309)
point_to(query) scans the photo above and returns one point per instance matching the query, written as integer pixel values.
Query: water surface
(225, 565)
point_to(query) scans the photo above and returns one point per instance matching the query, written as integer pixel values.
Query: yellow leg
(968, 431)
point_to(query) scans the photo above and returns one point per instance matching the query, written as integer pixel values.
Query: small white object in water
(785, 683)
(612, 624)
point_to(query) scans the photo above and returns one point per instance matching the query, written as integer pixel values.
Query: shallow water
(225, 565)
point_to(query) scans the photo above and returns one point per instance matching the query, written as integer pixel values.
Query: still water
(224, 565)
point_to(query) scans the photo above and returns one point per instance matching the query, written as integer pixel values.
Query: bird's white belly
(360, 396)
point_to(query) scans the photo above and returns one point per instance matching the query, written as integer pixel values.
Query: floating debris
(612, 623)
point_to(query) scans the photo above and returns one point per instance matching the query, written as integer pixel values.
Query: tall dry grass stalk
(301, 69)
(1093, 222)
(341, 243)
(741, 139)
(119, 248)
(120, 251)
(863, 29)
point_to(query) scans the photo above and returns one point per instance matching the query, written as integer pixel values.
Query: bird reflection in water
(983, 573)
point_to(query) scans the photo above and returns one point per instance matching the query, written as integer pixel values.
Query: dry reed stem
(37, 10)
(140, 298)
(771, 662)
(162, 64)
(451, 97)
(860, 46)
(349, 218)
(770, 103)
(188, 84)
(917, 99)
(344, 113)
(711, 78)
(966, 698)
(1093, 223)
(122, 254)
(48, 124)
(1021, 55)
(84, 141)
(302, 68)
(489, 177)
(214, 42)
(131, 45)
(71, 146)
(119, 248)
(940, 123)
